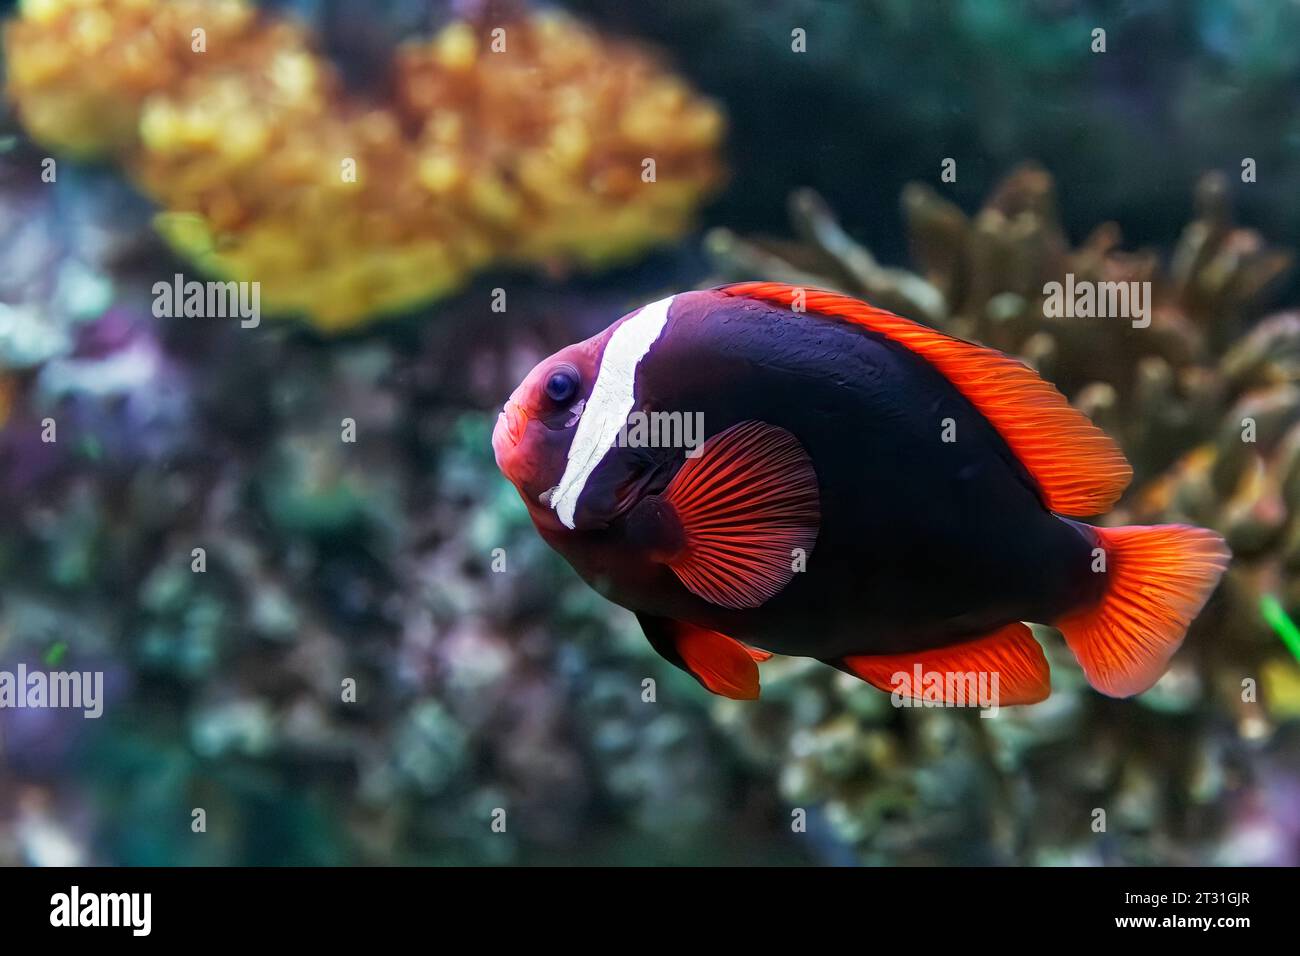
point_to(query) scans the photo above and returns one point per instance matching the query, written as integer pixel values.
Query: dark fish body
(868, 492)
(916, 532)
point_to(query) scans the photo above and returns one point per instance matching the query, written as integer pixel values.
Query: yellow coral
(590, 151)
(80, 70)
(539, 153)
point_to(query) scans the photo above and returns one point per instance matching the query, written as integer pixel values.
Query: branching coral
(905, 789)
(527, 141)
(1245, 478)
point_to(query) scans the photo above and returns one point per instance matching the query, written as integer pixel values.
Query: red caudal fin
(748, 509)
(1078, 469)
(1159, 578)
(963, 673)
(723, 665)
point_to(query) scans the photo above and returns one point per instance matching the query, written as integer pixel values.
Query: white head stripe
(610, 402)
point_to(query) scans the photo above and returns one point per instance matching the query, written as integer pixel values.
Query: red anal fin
(722, 665)
(961, 674)
(1078, 469)
(748, 508)
(1159, 578)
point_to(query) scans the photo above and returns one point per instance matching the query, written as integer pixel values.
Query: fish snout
(512, 421)
(507, 439)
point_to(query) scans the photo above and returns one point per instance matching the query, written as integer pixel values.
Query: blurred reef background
(523, 171)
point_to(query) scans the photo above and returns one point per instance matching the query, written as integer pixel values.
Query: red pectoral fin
(724, 666)
(748, 510)
(1010, 652)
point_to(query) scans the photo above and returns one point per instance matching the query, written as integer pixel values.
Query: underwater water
(268, 272)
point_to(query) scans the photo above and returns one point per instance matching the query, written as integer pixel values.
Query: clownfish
(863, 490)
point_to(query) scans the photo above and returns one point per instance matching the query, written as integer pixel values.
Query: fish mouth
(515, 419)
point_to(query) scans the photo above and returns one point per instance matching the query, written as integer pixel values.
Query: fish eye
(562, 383)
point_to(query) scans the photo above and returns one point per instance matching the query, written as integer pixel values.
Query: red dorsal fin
(748, 508)
(1010, 652)
(724, 666)
(1159, 578)
(1079, 470)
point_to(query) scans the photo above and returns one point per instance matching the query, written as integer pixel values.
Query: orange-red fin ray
(749, 512)
(724, 666)
(1159, 578)
(1078, 469)
(964, 673)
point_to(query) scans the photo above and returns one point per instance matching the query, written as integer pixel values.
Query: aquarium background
(796, 141)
